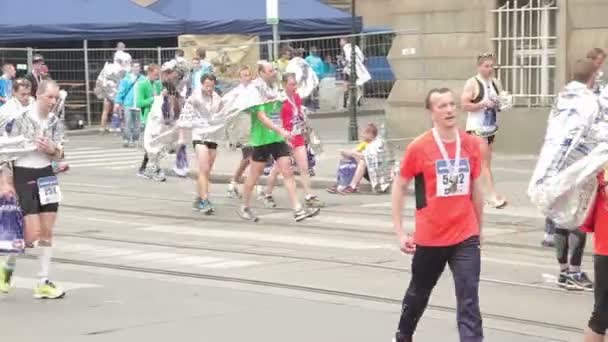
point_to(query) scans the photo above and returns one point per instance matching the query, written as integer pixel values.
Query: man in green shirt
(146, 90)
(269, 139)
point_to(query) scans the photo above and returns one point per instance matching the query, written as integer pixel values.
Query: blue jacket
(317, 65)
(6, 88)
(126, 91)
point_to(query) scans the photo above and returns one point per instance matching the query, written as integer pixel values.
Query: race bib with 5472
(458, 184)
(48, 190)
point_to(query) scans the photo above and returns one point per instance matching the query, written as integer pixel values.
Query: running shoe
(562, 280)
(578, 281)
(143, 174)
(269, 202)
(48, 290)
(247, 214)
(5, 279)
(304, 213)
(180, 172)
(159, 176)
(233, 191)
(195, 204)
(547, 243)
(314, 202)
(204, 206)
(125, 143)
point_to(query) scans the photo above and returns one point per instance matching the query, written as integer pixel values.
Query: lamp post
(352, 127)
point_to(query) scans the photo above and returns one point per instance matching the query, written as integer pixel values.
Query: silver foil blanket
(19, 131)
(106, 86)
(305, 77)
(381, 163)
(564, 181)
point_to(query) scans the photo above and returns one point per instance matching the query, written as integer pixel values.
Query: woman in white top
(479, 99)
(36, 186)
(203, 105)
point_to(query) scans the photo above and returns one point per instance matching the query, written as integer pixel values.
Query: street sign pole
(272, 18)
(352, 127)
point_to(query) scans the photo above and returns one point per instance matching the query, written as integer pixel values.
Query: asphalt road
(139, 265)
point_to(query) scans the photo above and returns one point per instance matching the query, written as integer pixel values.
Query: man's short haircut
(583, 70)
(287, 76)
(262, 65)
(595, 53)
(210, 77)
(152, 67)
(37, 59)
(482, 58)
(372, 128)
(46, 84)
(440, 91)
(121, 45)
(180, 53)
(21, 83)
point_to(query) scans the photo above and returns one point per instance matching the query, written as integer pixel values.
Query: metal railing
(525, 42)
(76, 70)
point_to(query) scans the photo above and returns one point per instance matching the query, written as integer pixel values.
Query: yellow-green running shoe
(48, 290)
(5, 279)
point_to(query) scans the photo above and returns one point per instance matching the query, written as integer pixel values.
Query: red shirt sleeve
(410, 162)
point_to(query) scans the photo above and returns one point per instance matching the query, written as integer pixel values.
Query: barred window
(525, 41)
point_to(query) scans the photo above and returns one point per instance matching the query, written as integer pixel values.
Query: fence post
(160, 55)
(30, 57)
(270, 45)
(87, 86)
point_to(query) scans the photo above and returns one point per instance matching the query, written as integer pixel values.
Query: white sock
(563, 268)
(298, 207)
(575, 269)
(45, 263)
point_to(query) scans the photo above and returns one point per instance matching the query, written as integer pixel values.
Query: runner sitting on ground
(352, 168)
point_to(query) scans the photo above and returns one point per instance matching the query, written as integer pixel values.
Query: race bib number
(48, 190)
(458, 184)
(298, 127)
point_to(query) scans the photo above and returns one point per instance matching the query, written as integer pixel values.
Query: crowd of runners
(178, 106)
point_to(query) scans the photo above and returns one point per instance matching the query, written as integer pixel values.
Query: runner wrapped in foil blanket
(305, 77)
(159, 134)
(380, 161)
(575, 149)
(19, 131)
(107, 82)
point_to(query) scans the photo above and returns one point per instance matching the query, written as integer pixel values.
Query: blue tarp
(298, 17)
(38, 20)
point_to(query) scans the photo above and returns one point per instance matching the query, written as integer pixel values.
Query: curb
(224, 178)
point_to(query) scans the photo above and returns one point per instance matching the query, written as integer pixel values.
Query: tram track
(334, 261)
(309, 289)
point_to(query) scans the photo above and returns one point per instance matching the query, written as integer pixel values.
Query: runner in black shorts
(37, 189)
(268, 140)
(203, 104)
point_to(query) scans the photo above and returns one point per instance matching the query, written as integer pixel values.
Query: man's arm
(6, 180)
(145, 97)
(466, 100)
(399, 190)
(268, 123)
(478, 202)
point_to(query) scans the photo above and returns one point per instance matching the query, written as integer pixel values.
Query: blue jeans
(428, 263)
(132, 125)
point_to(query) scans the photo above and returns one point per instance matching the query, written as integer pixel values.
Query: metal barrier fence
(76, 70)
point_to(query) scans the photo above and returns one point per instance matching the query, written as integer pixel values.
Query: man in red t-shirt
(598, 224)
(445, 164)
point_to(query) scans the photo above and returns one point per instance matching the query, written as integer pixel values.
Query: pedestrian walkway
(103, 158)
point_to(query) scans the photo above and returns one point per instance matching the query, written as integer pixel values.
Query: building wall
(448, 36)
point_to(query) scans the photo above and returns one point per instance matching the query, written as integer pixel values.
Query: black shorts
(275, 150)
(489, 139)
(247, 152)
(599, 318)
(26, 186)
(210, 145)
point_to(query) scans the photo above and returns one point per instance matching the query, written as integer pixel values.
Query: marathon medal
(451, 187)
